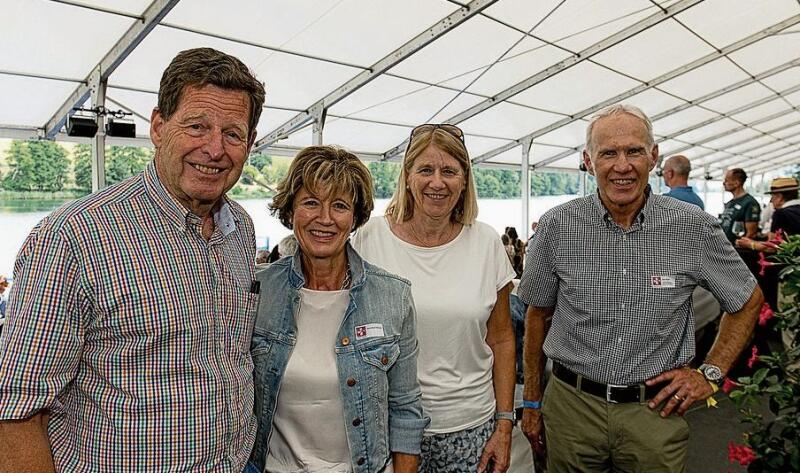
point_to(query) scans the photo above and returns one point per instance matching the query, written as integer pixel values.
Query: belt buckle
(608, 392)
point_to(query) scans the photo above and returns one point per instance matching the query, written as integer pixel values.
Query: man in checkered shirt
(126, 346)
(612, 275)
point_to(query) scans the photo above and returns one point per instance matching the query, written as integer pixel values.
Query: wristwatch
(505, 416)
(712, 372)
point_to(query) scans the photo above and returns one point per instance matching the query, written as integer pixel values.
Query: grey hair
(619, 109)
(680, 164)
(287, 246)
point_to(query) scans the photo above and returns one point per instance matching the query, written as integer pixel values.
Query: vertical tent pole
(98, 97)
(525, 186)
(320, 114)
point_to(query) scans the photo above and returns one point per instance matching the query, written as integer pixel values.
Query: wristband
(753, 245)
(531, 404)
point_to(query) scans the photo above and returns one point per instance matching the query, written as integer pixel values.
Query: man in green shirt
(743, 208)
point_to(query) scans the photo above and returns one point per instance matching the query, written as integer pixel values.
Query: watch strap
(505, 416)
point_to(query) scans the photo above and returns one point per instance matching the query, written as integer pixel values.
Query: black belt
(612, 393)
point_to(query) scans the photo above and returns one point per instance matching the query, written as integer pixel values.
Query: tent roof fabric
(721, 83)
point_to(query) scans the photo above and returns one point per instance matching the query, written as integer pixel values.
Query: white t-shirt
(308, 429)
(455, 288)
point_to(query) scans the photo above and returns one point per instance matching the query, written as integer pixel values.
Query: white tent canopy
(720, 79)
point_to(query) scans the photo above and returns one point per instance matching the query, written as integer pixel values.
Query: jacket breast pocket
(379, 356)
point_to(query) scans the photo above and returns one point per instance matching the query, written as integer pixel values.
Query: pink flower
(779, 237)
(762, 261)
(753, 357)
(741, 454)
(729, 385)
(765, 314)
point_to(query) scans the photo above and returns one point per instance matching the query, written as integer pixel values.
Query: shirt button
(351, 382)
(356, 422)
(360, 461)
(619, 339)
(624, 271)
(623, 306)
(384, 360)
(624, 237)
(345, 341)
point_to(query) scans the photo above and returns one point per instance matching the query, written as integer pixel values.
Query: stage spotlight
(120, 128)
(81, 126)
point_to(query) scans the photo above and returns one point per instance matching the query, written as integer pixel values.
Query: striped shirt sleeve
(42, 340)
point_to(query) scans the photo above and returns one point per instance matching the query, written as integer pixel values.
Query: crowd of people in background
(388, 343)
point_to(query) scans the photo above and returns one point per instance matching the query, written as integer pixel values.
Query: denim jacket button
(351, 382)
(384, 360)
(356, 422)
(360, 461)
(345, 341)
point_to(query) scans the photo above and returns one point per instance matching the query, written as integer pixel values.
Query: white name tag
(369, 331)
(662, 281)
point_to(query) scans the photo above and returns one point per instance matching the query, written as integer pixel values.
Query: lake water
(18, 217)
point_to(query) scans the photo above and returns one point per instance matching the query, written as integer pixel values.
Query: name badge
(659, 282)
(369, 331)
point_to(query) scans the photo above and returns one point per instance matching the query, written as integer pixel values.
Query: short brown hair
(325, 167)
(738, 174)
(401, 206)
(202, 66)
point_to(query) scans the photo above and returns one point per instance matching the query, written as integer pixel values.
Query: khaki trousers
(584, 433)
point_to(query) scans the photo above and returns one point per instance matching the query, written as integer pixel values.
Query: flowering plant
(773, 445)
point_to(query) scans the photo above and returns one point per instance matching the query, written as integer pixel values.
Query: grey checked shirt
(623, 298)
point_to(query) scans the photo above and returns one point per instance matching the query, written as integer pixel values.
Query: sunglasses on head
(452, 130)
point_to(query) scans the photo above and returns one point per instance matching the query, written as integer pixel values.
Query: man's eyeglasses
(453, 130)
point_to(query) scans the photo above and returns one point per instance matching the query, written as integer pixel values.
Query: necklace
(346, 281)
(448, 235)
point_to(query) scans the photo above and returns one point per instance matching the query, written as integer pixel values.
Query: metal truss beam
(420, 41)
(794, 159)
(699, 100)
(725, 90)
(699, 158)
(648, 85)
(551, 71)
(737, 162)
(113, 58)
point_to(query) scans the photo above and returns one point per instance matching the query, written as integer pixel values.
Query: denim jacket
(377, 374)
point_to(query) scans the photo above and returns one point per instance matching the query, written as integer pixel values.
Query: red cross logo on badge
(361, 331)
(655, 281)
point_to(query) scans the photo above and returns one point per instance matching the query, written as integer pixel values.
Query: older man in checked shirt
(127, 340)
(612, 274)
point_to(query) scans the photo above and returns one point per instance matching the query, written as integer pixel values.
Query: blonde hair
(401, 206)
(325, 167)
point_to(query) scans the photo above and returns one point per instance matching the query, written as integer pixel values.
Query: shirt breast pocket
(378, 357)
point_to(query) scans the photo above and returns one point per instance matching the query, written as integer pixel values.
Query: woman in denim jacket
(334, 344)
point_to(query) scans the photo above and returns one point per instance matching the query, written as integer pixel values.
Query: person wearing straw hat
(786, 219)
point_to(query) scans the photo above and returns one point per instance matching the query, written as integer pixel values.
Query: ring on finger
(678, 398)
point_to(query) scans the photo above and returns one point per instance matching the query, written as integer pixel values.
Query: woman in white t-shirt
(460, 279)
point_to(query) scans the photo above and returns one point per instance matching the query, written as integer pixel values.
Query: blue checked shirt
(134, 332)
(623, 298)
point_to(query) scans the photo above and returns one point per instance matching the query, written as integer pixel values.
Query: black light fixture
(84, 123)
(81, 125)
(120, 128)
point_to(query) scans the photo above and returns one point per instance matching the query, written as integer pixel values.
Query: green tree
(123, 162)
(258, 161)
(82, 162)
(36, 166)
(384, 178)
